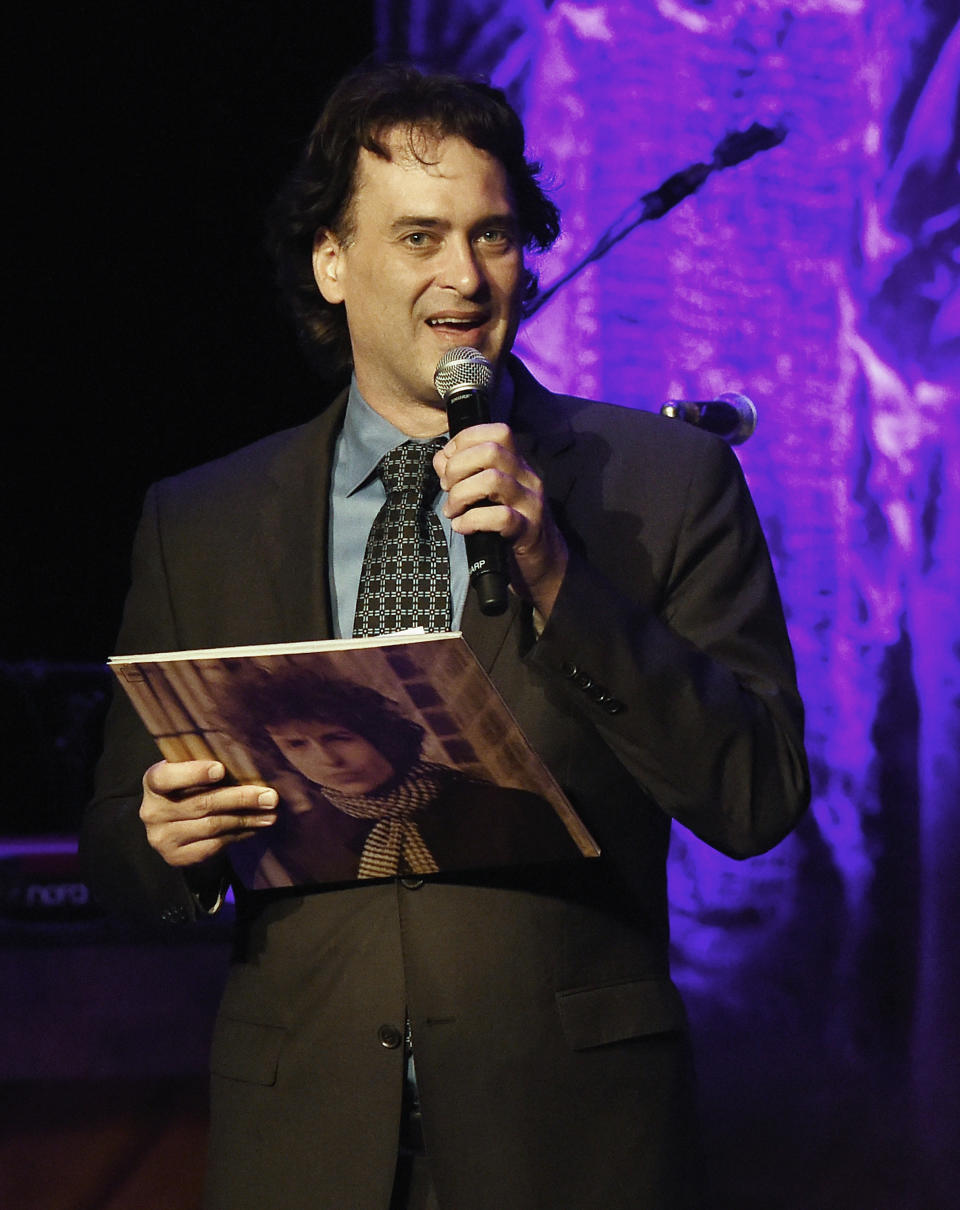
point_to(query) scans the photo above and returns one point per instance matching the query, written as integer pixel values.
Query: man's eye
(495, 235)
(418, 239)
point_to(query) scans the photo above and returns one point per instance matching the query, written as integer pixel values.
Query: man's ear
(326, 265)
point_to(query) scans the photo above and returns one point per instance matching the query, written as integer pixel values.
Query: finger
(182, 833)
(479, 434)
(509, 523)
(476, 448)
(485, 486)
(478, 458)
(223, 800)
(198, 851)
(168, 777)
(183, 842)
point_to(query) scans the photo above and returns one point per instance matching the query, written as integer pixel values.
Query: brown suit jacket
(551, 1047)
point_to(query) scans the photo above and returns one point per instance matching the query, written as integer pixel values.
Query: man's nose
(462, 269)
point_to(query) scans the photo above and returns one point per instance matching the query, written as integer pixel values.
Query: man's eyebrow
(417, 220)
(506, 219)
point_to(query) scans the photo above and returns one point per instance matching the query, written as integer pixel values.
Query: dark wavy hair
(360, 113)
(301, 695)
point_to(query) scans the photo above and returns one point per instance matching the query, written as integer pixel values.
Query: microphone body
(463, 380)
(731, 415)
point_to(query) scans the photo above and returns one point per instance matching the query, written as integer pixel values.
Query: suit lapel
(296, 531)
(486, 636)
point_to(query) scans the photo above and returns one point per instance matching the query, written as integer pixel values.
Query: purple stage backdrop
(820, 278)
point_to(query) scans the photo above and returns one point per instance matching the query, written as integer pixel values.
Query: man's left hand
(491, 489)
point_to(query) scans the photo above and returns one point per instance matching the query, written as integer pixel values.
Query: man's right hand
(189, 818)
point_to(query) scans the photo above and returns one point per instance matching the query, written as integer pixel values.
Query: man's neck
(420, 420)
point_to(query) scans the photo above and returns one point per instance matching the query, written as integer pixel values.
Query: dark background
(146, 333)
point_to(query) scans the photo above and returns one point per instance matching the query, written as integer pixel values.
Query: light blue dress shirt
(357, 495)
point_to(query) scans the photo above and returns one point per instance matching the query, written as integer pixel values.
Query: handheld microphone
(731, 416)
(463, 380)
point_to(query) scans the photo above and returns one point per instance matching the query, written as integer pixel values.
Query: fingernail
(215, 772)
(268, 798)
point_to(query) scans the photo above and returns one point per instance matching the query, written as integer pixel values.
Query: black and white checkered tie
(405, 580)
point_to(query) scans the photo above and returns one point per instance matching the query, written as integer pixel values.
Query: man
(643, 652)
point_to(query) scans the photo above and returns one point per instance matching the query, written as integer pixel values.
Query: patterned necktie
(405, 580)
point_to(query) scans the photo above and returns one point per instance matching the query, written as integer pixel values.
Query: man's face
(332, 756)
(433, 261)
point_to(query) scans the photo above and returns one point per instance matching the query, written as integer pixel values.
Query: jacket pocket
(246, 1050)
(596, 1016)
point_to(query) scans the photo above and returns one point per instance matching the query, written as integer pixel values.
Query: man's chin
(490, 344)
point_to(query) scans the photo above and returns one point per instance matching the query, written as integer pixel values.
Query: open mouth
(449, 323)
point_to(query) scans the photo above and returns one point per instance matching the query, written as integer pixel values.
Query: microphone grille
(746, 410)
(462, 367)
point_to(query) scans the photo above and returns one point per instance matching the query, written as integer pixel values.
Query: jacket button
(612, 705)
(568, 669)
(411, 884)
(390, 1037)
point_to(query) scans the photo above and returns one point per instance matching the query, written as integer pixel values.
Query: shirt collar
(366, 436)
